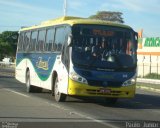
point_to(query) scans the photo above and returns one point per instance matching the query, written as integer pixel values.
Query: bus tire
(29, 87)
(59, 97)
(53, 83)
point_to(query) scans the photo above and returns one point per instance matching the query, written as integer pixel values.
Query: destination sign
(102, 32)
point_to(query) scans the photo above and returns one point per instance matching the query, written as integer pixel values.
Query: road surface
(21, 109)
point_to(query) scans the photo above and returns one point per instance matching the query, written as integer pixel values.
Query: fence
(149, 66)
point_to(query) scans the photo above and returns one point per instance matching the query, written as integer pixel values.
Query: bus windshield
(103, 47)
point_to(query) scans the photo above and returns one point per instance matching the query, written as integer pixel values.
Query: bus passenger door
(63, 71)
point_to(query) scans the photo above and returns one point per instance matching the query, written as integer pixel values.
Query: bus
(60, 55)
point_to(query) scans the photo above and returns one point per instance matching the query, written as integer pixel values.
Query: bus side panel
(40, 66)
(44, 64)
(21, 71)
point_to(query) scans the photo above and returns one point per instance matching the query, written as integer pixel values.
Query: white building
(148, 56)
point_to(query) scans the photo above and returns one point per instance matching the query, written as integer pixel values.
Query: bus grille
(101, 83)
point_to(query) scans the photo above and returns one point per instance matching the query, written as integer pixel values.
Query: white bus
(58, 55)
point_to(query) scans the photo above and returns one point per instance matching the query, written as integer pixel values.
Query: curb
(148, 88)
(148, 81)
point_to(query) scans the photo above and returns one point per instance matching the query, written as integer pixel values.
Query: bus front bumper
(80, 89)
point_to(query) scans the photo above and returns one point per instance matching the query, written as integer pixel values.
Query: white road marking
(89, 119)
(17, 92)
(98, 121)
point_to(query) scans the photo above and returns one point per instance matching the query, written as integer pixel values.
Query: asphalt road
(7, 71)
(19, 109)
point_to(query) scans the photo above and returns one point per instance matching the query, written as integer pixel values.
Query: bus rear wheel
(29, 87)
(59, 97)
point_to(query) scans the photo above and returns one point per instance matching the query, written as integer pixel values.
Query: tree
(5, 49)
(108, 16)
(8, 43)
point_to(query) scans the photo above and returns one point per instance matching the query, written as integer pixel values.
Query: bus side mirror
(136, 35)
(136, 39)
(69, 41)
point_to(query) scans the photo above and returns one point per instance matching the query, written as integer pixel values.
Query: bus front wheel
(59, 97)
(29, 87)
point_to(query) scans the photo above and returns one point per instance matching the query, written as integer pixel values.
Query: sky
(139, 14)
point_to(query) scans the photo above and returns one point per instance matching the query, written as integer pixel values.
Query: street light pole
(65, 7)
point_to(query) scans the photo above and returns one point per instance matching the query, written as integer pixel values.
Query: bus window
(41, 40)
(20, 43)
(33, 40)
(26, 41)
(59, 39)
(49, 39)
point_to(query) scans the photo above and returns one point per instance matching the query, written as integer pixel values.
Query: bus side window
(54, 48)
(49, 39)
(59, 39)
(26, 44)
(41, 40)
(20, 42)
(33, 40)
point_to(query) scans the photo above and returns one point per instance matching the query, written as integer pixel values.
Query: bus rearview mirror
(136, 39)
(69, 41)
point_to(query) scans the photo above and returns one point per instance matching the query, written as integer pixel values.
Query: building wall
(148, 56)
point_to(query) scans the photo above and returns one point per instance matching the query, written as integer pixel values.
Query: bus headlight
(74, 76)
(129, 82)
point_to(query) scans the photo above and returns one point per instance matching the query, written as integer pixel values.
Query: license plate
(104, 90)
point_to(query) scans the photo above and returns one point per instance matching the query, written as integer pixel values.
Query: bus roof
(74, 20)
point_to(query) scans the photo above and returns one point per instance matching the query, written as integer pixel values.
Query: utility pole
(65, 7)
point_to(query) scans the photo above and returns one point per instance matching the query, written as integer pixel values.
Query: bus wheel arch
(28, 82)
(54, 75)
(29, 87)
(27, 70)
(59, 97)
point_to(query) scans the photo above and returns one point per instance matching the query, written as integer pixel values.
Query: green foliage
(8, 43)
(108, 16)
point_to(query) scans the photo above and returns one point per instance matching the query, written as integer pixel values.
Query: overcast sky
(136, 13)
